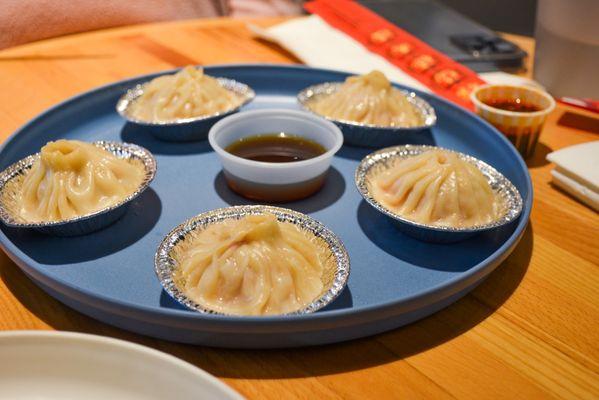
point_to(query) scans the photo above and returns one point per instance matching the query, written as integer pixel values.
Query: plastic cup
(269, 181)
(521, 128)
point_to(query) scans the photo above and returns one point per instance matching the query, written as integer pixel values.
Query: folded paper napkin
(577, 172)
(319, 45)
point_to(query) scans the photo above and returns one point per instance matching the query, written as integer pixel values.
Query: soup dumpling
(255, 265)
(437, 187)
(188, 93)
(71, 178)
(368, 99)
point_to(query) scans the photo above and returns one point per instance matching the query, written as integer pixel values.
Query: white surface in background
(68, 366)
(577, 171)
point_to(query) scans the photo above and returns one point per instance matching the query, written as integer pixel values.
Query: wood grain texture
(530, 331)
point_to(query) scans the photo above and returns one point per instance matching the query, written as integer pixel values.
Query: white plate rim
(10, 337)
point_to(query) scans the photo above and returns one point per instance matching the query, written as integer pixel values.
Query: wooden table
(529, 331)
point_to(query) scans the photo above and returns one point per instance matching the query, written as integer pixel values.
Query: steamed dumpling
(437, 187)
(72, 178)
(255, 265)
(368, 99)
(188, 93)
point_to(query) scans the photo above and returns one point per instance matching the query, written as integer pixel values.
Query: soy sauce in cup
(276, 148)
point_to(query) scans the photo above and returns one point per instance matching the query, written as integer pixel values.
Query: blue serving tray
(395, 280)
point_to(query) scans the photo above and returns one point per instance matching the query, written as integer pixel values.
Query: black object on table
(452, 33)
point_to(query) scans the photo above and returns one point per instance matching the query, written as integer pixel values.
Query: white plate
(62, 365)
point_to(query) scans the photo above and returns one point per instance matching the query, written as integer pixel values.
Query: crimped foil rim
(123, 104)
(426, 110)
(165, 265)
(120, 150)
(499, 183)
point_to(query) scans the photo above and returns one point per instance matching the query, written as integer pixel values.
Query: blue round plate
(109, 275)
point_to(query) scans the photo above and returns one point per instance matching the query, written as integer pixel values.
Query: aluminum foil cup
(334, 277)
(187, 129)
(380, 160)
(84, 224)
(366, 135)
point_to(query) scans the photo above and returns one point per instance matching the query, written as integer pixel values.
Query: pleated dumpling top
(439, 188)
(73, 178)
(368, 99)
(255, 265)
(188, 93)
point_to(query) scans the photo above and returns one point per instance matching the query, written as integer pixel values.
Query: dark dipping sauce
(275, 148)
(516, 105)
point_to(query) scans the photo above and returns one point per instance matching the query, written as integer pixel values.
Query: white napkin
(577, 172)
(320, 45)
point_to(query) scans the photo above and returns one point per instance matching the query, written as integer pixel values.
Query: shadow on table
(579, 121)
(305, 362)
(539, 157)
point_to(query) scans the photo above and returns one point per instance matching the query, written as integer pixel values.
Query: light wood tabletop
(531, 330)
